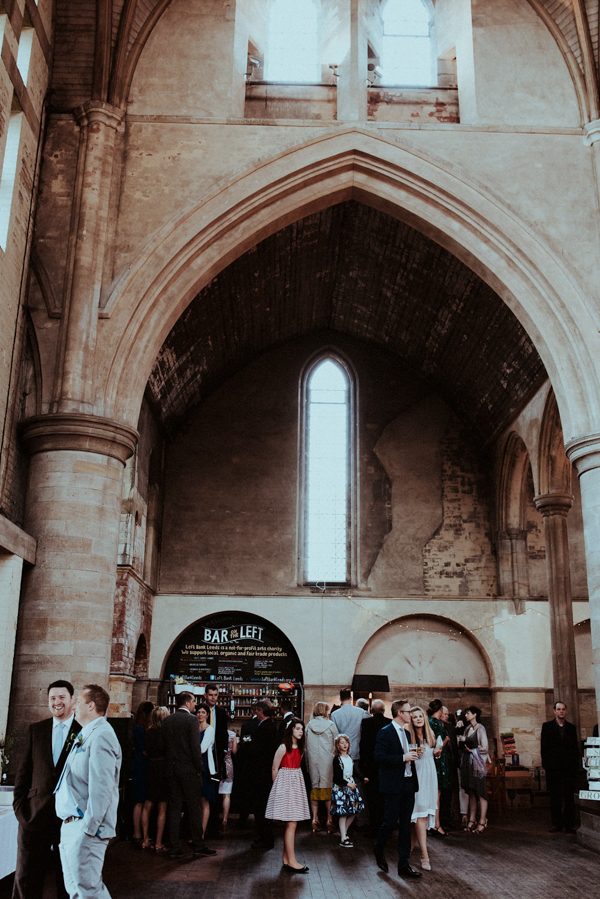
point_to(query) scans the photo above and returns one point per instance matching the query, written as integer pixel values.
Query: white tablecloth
(8, 840)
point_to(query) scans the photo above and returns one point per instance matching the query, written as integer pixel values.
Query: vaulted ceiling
(354, 270)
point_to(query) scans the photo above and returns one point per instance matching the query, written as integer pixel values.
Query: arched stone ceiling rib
(352, 269)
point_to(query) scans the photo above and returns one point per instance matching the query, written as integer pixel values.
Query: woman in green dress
(442, 763)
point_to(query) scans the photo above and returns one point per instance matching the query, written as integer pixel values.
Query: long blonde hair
(429, 735)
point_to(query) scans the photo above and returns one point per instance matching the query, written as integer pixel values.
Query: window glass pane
(327, 474)
(9, 174)
(406, 17)
(406, 60)
(293, 42)
(406, 55)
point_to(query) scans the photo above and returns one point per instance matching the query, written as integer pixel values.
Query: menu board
(591, 762)
(233, 646)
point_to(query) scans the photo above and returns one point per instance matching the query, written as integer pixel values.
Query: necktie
(58, 740)
(405, 748)
(212, 715)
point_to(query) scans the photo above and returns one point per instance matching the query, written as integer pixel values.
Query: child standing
(287, 799)
(346, 801)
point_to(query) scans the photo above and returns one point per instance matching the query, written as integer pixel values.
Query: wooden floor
(514, 859)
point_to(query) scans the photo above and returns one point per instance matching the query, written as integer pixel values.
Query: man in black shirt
(561, 760)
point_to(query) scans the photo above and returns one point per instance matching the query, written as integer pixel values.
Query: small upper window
(8, 174)
(407, 53)
(327, 474)
(293, 47)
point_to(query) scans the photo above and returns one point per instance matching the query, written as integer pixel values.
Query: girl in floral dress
(346, 801)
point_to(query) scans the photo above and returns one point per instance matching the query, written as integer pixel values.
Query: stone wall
(231, 486)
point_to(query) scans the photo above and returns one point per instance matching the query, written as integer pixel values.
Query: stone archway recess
(463, 216)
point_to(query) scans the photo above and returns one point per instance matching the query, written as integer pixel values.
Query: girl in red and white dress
(287, 799)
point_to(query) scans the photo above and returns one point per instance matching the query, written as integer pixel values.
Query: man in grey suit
(87, 796)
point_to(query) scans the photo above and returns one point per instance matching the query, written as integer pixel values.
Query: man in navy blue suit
(398, 783)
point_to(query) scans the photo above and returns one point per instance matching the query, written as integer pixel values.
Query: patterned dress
(344, 800)
(473, 766)
(287, 799)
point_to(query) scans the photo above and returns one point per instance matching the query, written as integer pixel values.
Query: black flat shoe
(409, 871)
(302, 870)
(381, 861)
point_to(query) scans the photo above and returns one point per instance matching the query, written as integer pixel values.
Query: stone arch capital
(584, 453)
(79, 432)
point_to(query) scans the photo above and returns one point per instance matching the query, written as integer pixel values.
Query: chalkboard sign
(233, 646)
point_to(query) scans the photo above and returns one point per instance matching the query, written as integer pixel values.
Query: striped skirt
(287, 799)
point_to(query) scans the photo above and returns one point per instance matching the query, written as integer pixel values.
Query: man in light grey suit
(87, 796)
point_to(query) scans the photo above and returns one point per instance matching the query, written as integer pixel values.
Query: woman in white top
(209, 769)
(424, 810)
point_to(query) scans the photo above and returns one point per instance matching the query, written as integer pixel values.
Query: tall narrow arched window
(407, 50)
(327, 474)
(293, 47)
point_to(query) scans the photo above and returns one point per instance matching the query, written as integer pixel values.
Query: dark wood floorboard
(516, 858)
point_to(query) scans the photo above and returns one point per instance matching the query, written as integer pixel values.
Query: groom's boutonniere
(76, 741)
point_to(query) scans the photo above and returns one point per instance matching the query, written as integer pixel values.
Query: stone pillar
(352, 80)
(98, 123)
(554, 508)
(584, 454)
(73, 504)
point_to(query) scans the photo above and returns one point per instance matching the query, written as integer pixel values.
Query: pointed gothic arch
(461, 215)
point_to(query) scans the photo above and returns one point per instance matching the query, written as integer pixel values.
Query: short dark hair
(434, 706)
(345, 693)
(98, 695)
(396, 705)
(182, 698)
(211, 687)
(266, 707)
(64, 684)
(559, 702)
(205, 706)
(474, 710)
(289, 735)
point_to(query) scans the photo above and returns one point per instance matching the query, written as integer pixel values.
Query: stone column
(73, 504)
(554, 508)
(98, 123)
(352, 80)
(584, 454)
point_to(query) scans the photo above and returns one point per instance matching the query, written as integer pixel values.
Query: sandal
(471, 827)
(314, 826)
(481, 826)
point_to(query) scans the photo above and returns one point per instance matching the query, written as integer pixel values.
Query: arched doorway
(424, 657)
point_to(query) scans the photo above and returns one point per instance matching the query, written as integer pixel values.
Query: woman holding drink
(423, 816)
